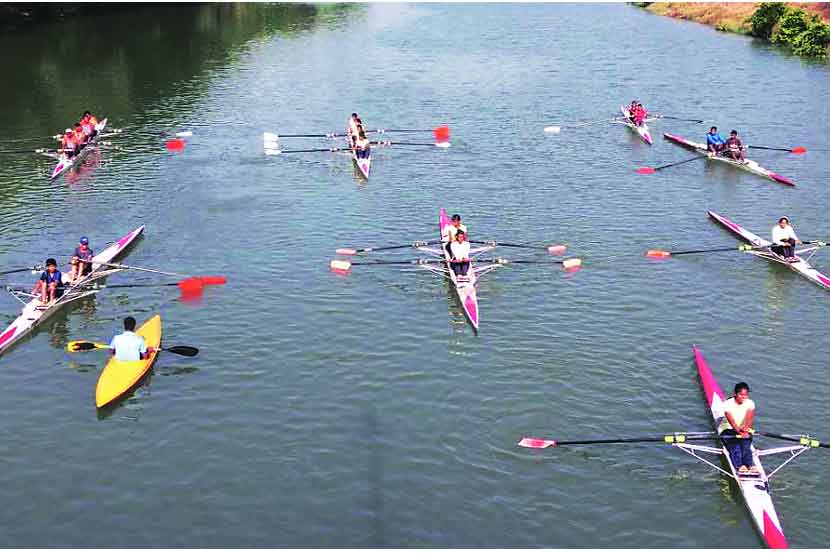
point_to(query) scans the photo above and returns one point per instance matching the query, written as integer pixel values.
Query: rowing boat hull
(121, 377)
(755, 489)
(31, 316)
(466, 291)
(643, 130)
(750, 165)
(65, 164)
(362, 165)
(801, 266)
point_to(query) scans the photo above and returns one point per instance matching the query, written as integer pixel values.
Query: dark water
(362, 411)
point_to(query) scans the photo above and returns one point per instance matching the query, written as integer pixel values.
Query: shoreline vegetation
(804, 29)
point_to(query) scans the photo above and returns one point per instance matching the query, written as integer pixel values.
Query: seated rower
(784, 239)
(351, 129)
(734, 148)
(50, 284)
(80, 137)
(639, 114)
(631, 109)
(129, 346)
(88, 124)
(714, 141)
(81, 262)
(451, 230)
(363, 148)
(735, 429)
(69, 144)
(460, 254)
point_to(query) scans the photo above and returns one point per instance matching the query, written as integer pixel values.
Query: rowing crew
(457, 246)
(357, 137)
(731, 147)
(637, 113)
(50, 285)
(74, 139)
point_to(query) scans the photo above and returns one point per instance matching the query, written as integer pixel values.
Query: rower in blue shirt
(714, 141)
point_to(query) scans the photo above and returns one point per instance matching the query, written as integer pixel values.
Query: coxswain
(784, 239)
(351, 129)
(129, 346)
(735, 429)
(734, 148)
(363, 148)
(69, 144)
(460, 254)
(81, 263)
(50, 284)
(714, 141)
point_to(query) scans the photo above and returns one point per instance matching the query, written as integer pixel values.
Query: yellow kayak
(120, 377)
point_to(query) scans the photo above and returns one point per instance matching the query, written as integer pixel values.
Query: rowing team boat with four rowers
(76, 142)
(358, 146)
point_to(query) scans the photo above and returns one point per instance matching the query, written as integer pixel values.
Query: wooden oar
(83, 345)
(651, 170)
(417, 244)
(678, 437)
(802, 439)
(659, 254)
(557, 249)
(798, 150)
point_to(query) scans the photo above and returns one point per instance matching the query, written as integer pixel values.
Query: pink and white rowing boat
(641, 130)
(65, 162)
(34, 313)
(749, 165)
(800, 266)
(754, 488)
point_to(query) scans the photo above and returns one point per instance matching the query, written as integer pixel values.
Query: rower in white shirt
(129, 346)
(448, 235)
(460, 254)
(352, 130)
(784, 239)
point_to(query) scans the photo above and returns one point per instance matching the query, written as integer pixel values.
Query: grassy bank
(803, 27)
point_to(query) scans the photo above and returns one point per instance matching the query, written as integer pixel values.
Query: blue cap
(84, 240)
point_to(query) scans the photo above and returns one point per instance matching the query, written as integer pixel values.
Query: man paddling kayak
(460, 253)
(735, 429)
(714, 141)
(734, 148)
(50, 284)
(129, 346)
(81, 262)
(784, 239)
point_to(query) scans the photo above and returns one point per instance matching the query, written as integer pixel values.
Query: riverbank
(803, 27)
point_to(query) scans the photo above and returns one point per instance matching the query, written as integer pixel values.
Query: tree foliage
(765, 17)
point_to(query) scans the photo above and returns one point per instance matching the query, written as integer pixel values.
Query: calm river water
(361, 410)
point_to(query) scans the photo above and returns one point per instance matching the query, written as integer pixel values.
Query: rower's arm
(732, 422)
(748, 420)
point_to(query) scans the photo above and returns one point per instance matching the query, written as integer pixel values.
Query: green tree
(765, 17)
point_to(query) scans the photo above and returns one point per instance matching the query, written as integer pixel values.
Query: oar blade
(346, 251)
(442, 134)
(558, 249)
(340, 265)
(215, 280)
(186, 351)
(658, 254)
(798, 150)
(536, 443)
(573, 264)
(553, 129)
(83, 345)
(175, 145)
(646, 170)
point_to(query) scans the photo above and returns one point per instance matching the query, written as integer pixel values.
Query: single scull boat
(34, 313)
(801, 266)
(66, 163)
(749, 165)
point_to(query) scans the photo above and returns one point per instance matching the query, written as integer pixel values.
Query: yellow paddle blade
(83, 345)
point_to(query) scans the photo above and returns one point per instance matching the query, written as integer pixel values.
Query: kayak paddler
(734, 148)
(81, 262)
(784, 239)
(735, 429)
(129, 346)
(460, 254)
(50, 284)
(714, 141)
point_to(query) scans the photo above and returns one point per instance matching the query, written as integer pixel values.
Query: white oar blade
(536, 443)
(571, 264)
(272, 151)
(346, 251)
(270, 137)
(184, 133)
(442, 144)
(554, 130)
(340, 265)
(558, 249)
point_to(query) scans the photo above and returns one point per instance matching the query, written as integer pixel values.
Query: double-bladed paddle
(83, 345)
